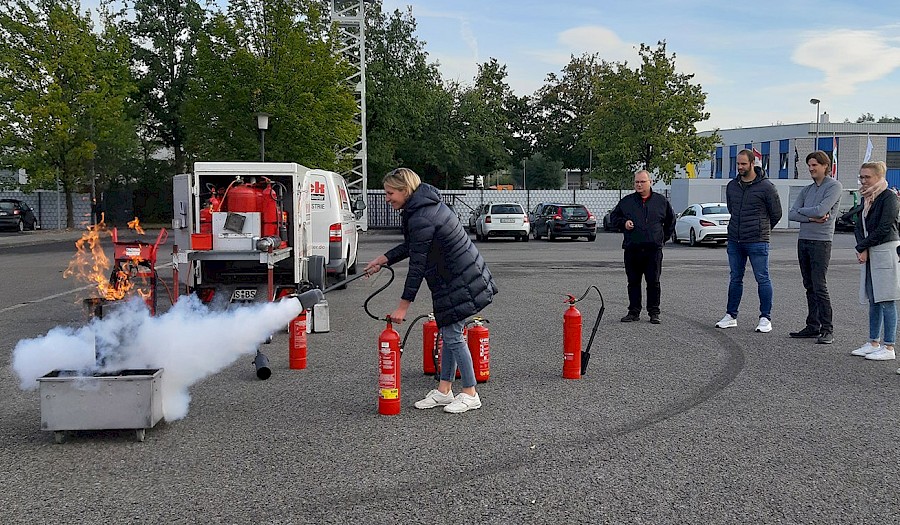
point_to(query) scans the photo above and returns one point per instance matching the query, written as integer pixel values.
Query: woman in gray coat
(440, 253)
(877, 239)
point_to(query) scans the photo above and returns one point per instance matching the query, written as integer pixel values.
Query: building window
(732, 169)
(783, 160)
(892, 159)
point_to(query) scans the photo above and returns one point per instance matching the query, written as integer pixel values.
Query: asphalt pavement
(673, 423)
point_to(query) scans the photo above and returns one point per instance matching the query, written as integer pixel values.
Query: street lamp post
(816, 102)
(262, 123)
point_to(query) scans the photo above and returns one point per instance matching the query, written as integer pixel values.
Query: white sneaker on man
(463, 403)
(882, 354)
(727, 322)
(435, 399)
(764, 326)
(865, 350)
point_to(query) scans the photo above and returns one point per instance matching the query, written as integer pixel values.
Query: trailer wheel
(59, 437)
(140, 434)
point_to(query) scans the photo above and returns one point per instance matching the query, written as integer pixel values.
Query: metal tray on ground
(73, 400)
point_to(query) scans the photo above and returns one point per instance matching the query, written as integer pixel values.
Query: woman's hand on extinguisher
(398, 315)
(375, 265)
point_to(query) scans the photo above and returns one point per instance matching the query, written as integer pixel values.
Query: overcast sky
(759, 62)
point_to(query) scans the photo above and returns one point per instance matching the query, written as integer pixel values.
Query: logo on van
(317, 191)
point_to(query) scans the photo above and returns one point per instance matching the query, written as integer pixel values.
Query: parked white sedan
(706, 222)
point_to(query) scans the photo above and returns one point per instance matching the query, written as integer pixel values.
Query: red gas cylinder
(572, 342)
(206, 219)
(268, 208)
(429, 343)
(389, 371)
(297, 354)
(479, 342)
(243, 198)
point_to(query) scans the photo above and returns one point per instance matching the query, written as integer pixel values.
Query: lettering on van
(317, 191)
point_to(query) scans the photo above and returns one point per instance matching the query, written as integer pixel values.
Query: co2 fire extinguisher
(389, 371)
(575, 360)
(479, 342)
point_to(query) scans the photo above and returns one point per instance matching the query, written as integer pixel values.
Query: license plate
(507, 220)
(243, 295)
(723, 223)
(576, 225)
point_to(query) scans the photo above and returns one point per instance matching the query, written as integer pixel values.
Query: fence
(463, 202)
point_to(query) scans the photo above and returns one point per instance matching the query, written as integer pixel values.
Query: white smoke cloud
(189, 342)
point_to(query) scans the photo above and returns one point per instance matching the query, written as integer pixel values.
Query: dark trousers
(814, 257)
(643, 261)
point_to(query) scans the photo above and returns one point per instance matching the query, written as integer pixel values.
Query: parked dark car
(608, 226)
(17, 215)
(849, 199)
(555, 220)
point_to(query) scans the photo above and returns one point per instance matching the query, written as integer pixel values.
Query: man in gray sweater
(816, 210)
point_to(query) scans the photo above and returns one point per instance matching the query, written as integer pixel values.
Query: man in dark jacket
(755, 209)
(646, 220)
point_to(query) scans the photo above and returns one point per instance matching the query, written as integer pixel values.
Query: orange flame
(90, 264)
(136, 226)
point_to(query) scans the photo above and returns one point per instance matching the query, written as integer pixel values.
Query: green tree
(539, 173)
(278, 57)
(646, 118)
(63, 95)
(865, 117)
(886, 119)
(165, 34)
(565, 105)
(409, 113)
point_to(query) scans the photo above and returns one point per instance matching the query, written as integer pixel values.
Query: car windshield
(7, 206)
(574, 212)
(509, 209)
(713, 210)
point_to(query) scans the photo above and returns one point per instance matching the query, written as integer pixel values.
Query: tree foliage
(165, 34)
(564, 106)
(645, 118)
(539, 172)
(277, 57)
(63, 95)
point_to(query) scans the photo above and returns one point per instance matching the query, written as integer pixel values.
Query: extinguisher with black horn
(575, 359)
(388, 359)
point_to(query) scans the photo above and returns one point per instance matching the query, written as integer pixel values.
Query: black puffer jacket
(755, 208)
(441, 252)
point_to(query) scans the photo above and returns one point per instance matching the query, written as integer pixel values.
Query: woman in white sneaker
(441, 253)
(877, 239)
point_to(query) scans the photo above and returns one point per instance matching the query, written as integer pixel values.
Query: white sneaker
(865, 350)
(435, 399)
(882, 354)
(463, 403)
(727, 322)
(764, 326)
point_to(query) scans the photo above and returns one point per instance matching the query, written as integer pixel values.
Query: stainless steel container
(129, 399)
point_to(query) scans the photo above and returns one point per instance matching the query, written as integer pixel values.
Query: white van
(330, 226)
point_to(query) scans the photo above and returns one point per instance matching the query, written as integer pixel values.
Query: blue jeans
(758, 253)
(455, 352)
(883, 313)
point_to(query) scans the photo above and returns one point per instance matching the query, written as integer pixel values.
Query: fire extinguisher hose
(409, 330)
(586, 353)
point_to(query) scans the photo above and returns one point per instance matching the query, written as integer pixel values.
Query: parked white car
(706, 222)
(502, 219)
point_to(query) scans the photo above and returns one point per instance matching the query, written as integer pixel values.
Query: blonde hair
(879, 167)
(403, 180)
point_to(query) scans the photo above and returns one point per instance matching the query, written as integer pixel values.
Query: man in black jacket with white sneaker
(646, 220)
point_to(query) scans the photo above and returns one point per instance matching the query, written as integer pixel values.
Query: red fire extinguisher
(429, 346)
(575, 359)
(389, 374)
(479, 342)
(297, 354)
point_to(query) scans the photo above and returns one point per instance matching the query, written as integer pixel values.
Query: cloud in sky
(848, 57)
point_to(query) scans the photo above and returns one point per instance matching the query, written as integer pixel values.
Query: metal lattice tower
(350, 17)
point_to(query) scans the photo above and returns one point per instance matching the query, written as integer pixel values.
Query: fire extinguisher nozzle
(585, 357)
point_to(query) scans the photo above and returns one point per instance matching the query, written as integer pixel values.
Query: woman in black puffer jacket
(441, 253)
